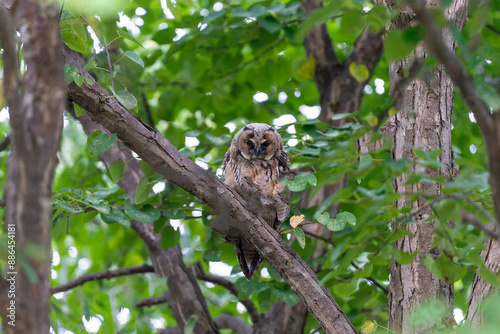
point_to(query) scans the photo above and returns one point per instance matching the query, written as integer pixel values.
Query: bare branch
(198, 272)
(152, 301)
(472, 220)
(110, 65)
(145, 268)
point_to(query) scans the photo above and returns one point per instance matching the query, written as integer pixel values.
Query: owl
(257, 160)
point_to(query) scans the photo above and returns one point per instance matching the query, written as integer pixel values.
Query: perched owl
(257, 160)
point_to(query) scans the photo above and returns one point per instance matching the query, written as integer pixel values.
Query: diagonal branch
(145, 268)
(159, 153)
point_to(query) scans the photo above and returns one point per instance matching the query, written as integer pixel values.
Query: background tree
(194, 71)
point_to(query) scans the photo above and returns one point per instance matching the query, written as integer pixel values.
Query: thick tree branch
(198, 272)
(145, 268)
(159, 153)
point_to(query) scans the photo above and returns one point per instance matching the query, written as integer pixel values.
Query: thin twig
(492, 28)
(145, 268)
(110, 66)
(152, 301)
(147, 109)
(242, 65)
(472, 220)
(478, 207)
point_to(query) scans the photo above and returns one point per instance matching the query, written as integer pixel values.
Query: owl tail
(248, 257)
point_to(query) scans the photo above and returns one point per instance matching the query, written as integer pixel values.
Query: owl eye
(250, 143)
(265, 144)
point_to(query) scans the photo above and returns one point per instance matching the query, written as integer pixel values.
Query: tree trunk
(36, 116)
(424, 123)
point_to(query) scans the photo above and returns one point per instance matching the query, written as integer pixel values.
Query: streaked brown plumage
(257, 159)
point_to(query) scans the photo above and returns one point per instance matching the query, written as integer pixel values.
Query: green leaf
(323, 218)
(78, 79)
(169, 237)
(189, 327)
(213, 16)
(115, 216)
(301, 237)
(91, 65)
(270, 24)
(142, 191)
(311, 179)
(401, 43)
(125, 98)
(248, 288)
(147, 214)
(68, 206)
(131, 38)
(285, 294)
(404, 257)
(488, 276)
(135, 57)
(101, 144)
(300, 182)
(448, 210)
(335, 225)
(444, 268)
(366, 271)
(117, 169)
(359, 72)
(345, 289)
(91, 137)
(218, 141)
(258, 10)
(74, 42)
(240, 12)
(346, 217)
(307, 68)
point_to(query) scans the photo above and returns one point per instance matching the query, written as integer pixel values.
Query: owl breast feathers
(257, 159)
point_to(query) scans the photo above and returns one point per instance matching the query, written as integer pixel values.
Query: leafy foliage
(194, 70)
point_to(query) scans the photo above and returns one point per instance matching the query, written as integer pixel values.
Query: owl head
(258, 141)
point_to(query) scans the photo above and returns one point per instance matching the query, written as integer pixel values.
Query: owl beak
(258, 152)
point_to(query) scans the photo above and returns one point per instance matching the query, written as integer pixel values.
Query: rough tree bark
(36, 108)
(489, 123)
(423, 123)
